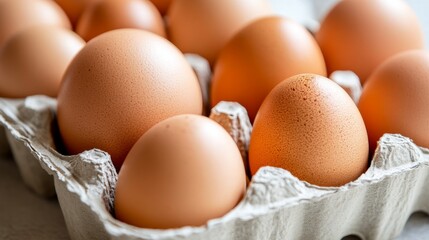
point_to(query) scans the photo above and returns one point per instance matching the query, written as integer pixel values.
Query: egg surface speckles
(309, 126)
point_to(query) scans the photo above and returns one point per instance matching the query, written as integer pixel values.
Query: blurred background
(309, 12)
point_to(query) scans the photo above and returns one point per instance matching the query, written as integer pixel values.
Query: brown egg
(34, 60)
(204, 26)
(184, 171)
(119, 85)
(162, 5)
(17, 15)
(395, 98)
(74, 8)
(260, 56)
(359, 35)
(106, 15)
(310, 126)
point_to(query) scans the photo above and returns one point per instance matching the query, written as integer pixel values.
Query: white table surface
(24, 215)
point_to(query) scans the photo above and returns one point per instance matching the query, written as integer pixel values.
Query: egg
(17, 15)
(395, 98)
(183, 171)
(34, 60)
(106, 15)
(310, 126)
(74, 8)
(118, 86)
(259, 57)
(204, 26)
(162, 5)
(359, 35)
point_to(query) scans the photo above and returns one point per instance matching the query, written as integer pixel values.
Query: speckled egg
(310, 126)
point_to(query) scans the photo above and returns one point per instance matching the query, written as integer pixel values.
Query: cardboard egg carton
(277, 205)
(4, 144)
(33, 175)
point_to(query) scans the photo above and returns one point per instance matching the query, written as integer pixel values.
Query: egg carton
(32, 174)
(276, 205)
(41, 183)
(4, 144)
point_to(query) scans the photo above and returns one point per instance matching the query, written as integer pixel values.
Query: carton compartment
(277, 205)
(34, 177)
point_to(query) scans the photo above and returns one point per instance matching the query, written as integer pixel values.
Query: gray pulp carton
(276, 205)
(34, 177)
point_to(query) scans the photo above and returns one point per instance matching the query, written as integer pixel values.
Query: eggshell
(34, 60)
(204, 26)
(118, 86)
(74, 8)
(310, 126)
(395, 98)
(162, 5)
(259, 57)
(17, 15)
(106, 15)
(359, 35)
(184, 171)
